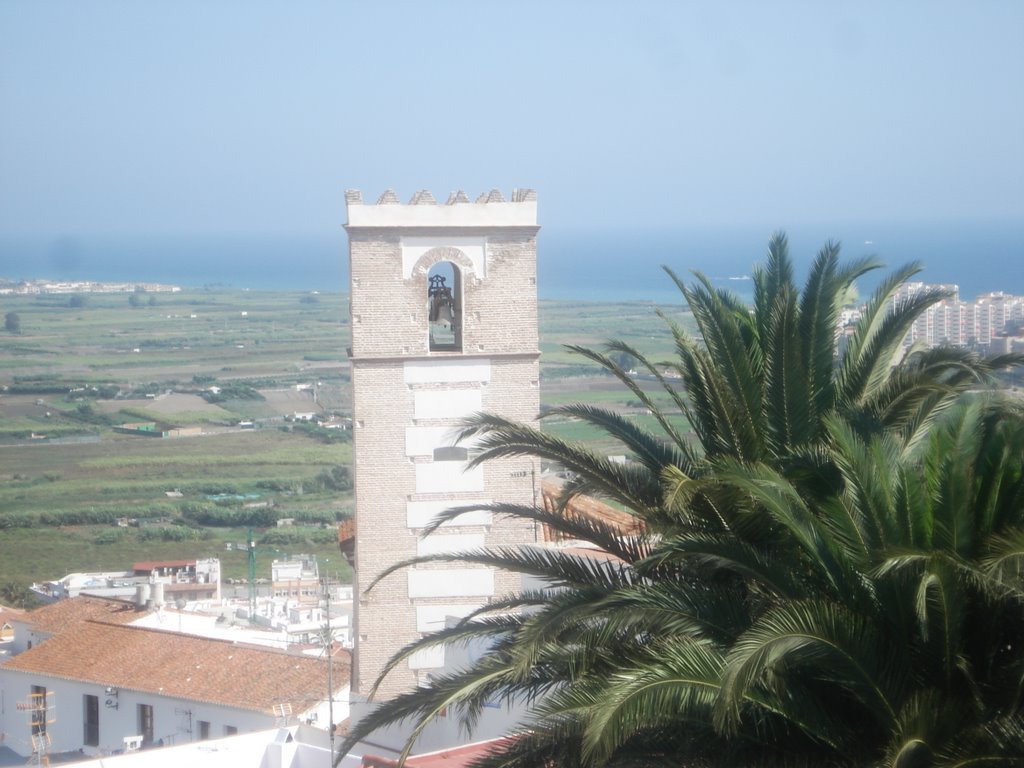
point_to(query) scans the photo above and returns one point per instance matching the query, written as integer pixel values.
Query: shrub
(18, 520)
(338, 478)
(290, 537)
(172, 533)
(91, 516)
(206, 514)
(279, 485)
(324, 435)
(110, 536)
(317, 516)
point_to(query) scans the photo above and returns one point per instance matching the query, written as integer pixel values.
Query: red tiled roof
(57, 617)
(184, 666)
(587, 506)
(7, 615)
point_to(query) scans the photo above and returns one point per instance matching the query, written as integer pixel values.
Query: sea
(587, 265)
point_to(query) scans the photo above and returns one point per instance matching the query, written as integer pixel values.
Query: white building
(959, 323)
(188, 580)
(84, 680)
(297, 578)
(296, 746)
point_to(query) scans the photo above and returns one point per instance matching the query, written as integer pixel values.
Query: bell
(445, 315)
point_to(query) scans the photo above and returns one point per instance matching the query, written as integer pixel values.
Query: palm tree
(758, 384)
(898, 636)
(783, 605)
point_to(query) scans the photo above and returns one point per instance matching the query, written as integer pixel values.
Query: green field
(74, 372)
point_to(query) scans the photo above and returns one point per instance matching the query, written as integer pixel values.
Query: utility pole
(329, 643)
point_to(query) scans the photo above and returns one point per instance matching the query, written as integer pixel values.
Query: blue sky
(252, 117)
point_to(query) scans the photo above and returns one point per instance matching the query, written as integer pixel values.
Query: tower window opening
(451, 453)
(444, 315)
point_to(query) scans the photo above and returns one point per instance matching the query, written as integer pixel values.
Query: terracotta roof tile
(184, 666)
(57, 617)
(586, 506)
(8, 612)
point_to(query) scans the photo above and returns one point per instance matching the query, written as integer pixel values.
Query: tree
(134, 300)
(12, 322)
(77, 301)
(758, 385)
(16, 595)
(785, 604)
(895, 633)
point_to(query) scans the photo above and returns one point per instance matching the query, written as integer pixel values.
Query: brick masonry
(389, 330)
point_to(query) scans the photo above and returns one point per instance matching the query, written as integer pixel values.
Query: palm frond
(652, 451)
(824, 637)
(727, 554)
(669, 429)
(879, 336)
(498, 437)
(722, 319)
(583, 528)
(788, 395)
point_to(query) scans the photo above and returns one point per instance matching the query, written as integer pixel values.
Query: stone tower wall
(408, 401)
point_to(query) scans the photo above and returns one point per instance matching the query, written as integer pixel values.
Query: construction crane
(250, 547)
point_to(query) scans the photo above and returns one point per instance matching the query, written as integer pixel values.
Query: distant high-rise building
(959, 323)
(444, 325)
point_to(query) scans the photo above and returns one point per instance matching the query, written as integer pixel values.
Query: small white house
(96, 684)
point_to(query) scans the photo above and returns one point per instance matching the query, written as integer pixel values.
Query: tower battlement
(491, 209)
(424, 197)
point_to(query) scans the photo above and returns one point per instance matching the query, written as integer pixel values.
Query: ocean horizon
(583, 266)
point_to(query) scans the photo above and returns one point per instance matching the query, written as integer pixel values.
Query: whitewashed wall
(172, 717)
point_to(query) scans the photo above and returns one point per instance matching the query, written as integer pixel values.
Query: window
(451, 453)
(230, 730)
(204, 730)
(91, 720)
(146, 723)
(444, 312)
(38, 698)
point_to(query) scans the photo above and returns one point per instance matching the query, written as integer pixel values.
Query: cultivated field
(238, 367)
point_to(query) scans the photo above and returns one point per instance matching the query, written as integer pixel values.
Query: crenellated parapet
(491, 209)
(424, 197)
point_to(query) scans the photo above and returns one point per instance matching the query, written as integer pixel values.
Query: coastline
(572, 266)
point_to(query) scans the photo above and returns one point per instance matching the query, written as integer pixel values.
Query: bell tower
(444, 325)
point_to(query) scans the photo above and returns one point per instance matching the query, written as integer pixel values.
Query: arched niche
(443, 272)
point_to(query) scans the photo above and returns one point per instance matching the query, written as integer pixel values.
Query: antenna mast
(41, 713)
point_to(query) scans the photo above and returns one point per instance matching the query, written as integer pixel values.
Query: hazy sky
(121, 118)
